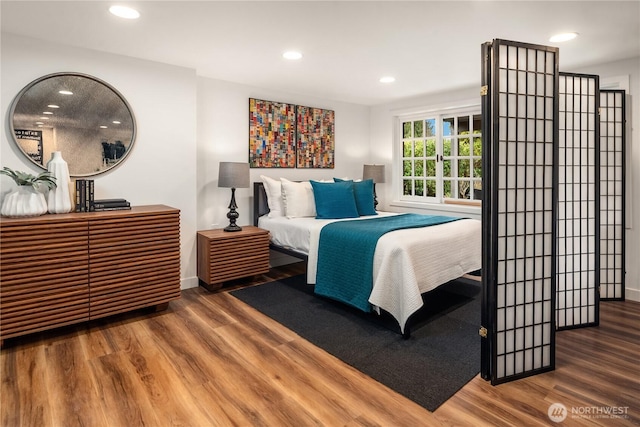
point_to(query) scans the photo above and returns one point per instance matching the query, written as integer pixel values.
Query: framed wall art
(272, 128)
(315, 138)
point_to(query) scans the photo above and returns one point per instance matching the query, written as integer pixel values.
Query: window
(441, 156)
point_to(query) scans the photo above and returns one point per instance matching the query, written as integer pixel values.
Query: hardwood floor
(210, 360)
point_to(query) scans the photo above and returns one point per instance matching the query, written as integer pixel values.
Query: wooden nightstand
(224, 255)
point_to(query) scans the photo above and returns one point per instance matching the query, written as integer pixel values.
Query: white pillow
(273, 189)
(297, 198)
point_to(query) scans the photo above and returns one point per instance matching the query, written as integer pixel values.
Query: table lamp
(233, 175)
(376, 173)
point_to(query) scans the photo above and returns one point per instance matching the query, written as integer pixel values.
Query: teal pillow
(334, 200)
(363, 193)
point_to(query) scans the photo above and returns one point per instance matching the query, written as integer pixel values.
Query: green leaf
(22, 178)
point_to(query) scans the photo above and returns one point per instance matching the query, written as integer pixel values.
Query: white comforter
(407, 263)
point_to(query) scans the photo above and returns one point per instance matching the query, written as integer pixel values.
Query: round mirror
(79, 115)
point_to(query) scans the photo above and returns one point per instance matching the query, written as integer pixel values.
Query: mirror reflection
(79, 115)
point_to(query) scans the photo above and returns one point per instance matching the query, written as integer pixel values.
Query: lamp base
(233, 214)
(375, 198)
(233, 227)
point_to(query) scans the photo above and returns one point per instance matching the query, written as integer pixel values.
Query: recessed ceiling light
(292, 54)
(53, 106)
(387, 79)
(44, 118)
(124, 12)
(47, 112)
(65, 92)
(103, 127)
(563, 37)
(115, 122)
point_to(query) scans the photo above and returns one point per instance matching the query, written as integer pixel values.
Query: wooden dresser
(224, 255)
(57, 270)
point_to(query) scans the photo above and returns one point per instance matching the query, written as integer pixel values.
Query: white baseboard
(632, 294)
(189, 282)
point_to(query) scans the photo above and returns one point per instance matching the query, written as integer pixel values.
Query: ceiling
(428, 46)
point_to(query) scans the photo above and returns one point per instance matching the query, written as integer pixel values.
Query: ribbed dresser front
(61, 269)
(134, 262)
(44, 274)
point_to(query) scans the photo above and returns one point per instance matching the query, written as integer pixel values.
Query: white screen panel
(578, 201)
(612, 191)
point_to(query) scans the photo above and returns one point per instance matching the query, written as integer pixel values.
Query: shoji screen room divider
(553, 207)
(519, 209)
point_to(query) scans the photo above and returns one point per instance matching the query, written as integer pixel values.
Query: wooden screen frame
(519, 284)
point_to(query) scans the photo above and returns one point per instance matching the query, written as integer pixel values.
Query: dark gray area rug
(441, 355)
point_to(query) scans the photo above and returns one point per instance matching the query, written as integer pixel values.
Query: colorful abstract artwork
(272, 127)
(315, 137)
(284, 135)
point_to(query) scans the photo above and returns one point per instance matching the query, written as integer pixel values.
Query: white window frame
(470, 108)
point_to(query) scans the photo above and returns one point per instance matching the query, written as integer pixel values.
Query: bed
(406, 264)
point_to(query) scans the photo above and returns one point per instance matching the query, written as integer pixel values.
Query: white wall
(223, 135)
(161, 169)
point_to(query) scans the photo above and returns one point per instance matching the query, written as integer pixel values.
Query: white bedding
(295, 233)
(407, 263)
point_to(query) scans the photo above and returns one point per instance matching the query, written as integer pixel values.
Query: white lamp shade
(233, 175)
(374, 172)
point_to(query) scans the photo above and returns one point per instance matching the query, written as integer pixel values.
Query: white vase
(25, 201)
(59, 198)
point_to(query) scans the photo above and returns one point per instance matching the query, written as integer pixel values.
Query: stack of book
(110, 205)
(84, 195)
(85, 201)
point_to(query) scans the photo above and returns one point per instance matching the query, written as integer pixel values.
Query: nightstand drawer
(224, 256)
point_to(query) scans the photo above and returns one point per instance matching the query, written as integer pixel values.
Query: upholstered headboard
(260, 205)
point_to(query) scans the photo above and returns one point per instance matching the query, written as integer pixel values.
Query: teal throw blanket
(345, 254)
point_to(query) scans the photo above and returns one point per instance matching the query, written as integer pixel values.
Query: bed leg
(407, 333)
